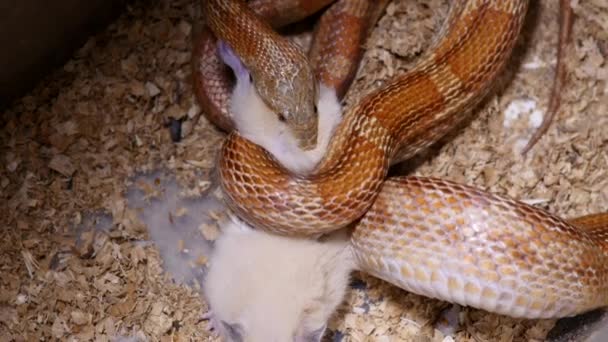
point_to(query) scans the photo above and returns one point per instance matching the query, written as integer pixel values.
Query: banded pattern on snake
(409, 113)
(428, 236)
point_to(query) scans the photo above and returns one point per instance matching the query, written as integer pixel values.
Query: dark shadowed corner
(37, 36)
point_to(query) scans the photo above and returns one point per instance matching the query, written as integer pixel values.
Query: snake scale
(429, 236)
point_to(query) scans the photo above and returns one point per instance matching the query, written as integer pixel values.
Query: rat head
(262, 287)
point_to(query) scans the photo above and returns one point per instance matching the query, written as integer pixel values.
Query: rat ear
(312, 336)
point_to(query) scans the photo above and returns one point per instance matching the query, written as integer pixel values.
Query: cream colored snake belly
(428, 236)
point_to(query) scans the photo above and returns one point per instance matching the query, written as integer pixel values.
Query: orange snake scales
(428, 236)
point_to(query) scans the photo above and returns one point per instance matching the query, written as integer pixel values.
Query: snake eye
(282, 118)
(316, 110)
(250, 78)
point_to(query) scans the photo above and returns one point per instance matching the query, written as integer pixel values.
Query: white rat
(269, 288)
(264, 287)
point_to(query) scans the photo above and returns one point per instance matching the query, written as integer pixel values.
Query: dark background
(37, 36)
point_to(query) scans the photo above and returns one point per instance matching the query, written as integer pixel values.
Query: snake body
(445, 240)
(409, 113)
(428, 236)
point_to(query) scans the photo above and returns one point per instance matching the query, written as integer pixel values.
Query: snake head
(293, 97)
(278, 67)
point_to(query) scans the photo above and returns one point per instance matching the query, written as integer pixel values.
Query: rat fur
(264, 287)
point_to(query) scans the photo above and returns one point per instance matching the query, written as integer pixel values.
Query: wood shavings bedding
(72, 147)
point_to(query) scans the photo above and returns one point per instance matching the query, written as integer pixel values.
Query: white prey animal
(267, 288)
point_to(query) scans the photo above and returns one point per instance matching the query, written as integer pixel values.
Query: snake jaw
(306, 137)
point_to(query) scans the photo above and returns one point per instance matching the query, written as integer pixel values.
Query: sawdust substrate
(70, 147)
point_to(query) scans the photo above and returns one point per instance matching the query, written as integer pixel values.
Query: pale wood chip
(62, 164)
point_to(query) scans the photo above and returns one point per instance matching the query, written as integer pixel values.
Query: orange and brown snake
(429, 236)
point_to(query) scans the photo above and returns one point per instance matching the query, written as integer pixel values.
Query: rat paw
(212, 326)
(449, 320)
